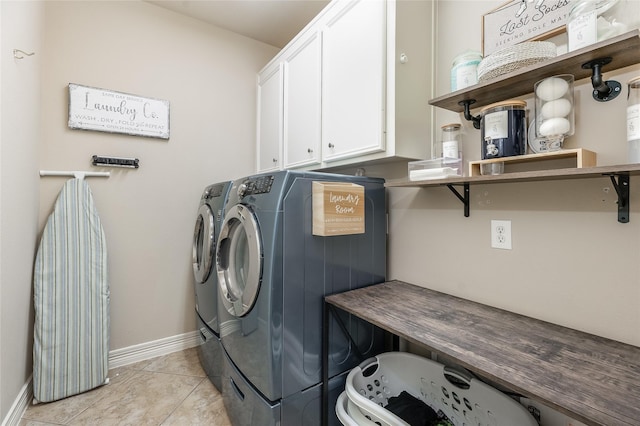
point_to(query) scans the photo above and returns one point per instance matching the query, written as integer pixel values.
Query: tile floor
(168, 390)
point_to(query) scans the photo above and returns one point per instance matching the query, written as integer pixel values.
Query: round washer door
(239, 260)
(203, 244)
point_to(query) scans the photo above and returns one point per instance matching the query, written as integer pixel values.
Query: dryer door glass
(239, 260)
(203, 244)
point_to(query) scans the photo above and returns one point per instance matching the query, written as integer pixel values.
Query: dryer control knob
(242, 189)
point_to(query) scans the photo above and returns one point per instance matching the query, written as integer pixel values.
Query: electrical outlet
(501, 234)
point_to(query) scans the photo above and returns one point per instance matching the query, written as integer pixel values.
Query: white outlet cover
(501, 234)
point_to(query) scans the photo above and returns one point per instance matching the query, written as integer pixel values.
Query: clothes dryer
(273, 274)
(205, 235)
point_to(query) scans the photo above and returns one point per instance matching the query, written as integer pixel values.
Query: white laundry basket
(462, 398)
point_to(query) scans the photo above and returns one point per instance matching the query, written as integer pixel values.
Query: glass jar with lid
(449, 147)
(464, 71)
(503, 129)
(591, 21)
(450, 141)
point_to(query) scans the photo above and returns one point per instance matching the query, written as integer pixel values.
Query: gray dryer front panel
(210, 353)
(207, 228)
(276, 345)
(316, 266)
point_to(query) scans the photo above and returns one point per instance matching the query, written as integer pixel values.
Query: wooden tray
(583, 158)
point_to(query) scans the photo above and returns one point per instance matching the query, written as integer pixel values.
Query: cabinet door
(269, 119)
(353, 80)
(302, 71)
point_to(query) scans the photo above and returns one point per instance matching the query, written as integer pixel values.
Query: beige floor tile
(140, 365)
(25, 422)
(169, 390)
(184, 362)
(203, 407)
(62, 411)
(146, 398)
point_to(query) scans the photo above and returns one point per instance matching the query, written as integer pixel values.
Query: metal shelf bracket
(603, 91)
(467, 112)
(622, 189)
(464, 198)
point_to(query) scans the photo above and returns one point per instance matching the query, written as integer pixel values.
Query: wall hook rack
(603, 91)
(98, 160)
(467, 112)
(20, 54)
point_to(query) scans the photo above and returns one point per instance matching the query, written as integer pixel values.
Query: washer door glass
(203, 244)
(239, 260)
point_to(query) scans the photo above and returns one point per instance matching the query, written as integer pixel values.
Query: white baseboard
(117, 358)
(144, 351)
(20, 404)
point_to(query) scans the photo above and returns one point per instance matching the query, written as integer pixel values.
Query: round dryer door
(239, 260)
(203, 244)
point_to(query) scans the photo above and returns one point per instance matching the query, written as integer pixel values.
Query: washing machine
(205, 236)
(273, 274)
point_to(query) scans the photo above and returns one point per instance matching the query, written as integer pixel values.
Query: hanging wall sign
(338, 208)
(523, 20)
(115, 112)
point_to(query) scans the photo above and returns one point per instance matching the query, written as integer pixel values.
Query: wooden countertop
(590, 378)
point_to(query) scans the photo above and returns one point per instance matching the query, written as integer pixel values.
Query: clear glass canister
(464, 71)
(591, 21)
(633, 120)
(451, 141)
(503, 129)
(554, 118)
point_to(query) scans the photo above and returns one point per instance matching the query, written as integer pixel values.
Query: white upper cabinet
(355, 87)
(302, 101)
(270, 119)
(353, 84)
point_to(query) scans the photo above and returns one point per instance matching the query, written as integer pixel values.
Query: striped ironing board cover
(71, 299)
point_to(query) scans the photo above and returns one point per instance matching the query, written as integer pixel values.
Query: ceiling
(274, 22)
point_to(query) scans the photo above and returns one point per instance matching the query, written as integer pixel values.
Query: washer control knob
(242, 189)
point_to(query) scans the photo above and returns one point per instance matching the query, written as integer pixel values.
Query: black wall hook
(97, 160)
(603, 91)
(467, 112)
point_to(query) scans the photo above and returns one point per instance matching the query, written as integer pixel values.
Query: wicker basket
(514, 57)
(463, 399)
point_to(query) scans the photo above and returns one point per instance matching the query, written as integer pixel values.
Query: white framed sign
(523, 20)
(103, 110)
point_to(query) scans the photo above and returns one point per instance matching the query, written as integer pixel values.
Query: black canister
(504, 129)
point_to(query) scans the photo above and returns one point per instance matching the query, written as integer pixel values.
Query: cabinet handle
(331, 145)
(309, 150)
(275, 160)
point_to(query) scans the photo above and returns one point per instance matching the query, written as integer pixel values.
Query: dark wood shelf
(529, 176)
(619, 176)
(623, 49)
(590, 378)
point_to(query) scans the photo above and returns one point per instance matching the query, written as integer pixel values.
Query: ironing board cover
(71, 297)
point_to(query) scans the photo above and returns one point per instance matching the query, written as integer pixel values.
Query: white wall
(20, 24)
(572, 263)
(208, 75)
